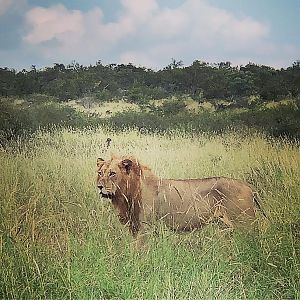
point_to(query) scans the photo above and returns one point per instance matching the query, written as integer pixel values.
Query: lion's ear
(127, 164)
(100, 162)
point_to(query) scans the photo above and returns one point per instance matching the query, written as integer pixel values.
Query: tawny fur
(141, 197)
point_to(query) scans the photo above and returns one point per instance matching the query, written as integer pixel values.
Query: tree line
(200, 80)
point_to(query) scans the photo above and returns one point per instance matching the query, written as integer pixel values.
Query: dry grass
(57, 240)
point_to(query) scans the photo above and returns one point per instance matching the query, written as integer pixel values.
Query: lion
(140, 197)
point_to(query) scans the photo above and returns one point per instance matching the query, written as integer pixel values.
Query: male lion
(141, 197)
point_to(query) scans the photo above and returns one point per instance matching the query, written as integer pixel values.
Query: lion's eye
(100, 173)
(112, 173)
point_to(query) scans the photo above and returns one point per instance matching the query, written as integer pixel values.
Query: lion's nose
(100, 187)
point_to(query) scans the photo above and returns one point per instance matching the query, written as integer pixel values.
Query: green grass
(57, 240)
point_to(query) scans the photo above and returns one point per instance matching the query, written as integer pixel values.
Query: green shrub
(104, 95)
(15, 120)
(283, 120)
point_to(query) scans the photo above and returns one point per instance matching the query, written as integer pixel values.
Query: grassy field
(59, 241)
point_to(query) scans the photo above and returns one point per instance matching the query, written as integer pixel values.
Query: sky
(148, 32)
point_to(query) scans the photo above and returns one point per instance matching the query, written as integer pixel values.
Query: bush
(104, 95)
(172, 107)
(283, 120)
(140, 93)
(15, 120)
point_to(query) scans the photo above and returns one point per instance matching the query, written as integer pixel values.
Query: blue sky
(148, 32)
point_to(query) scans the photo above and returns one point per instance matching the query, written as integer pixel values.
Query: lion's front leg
(139, 242)
(141, 238)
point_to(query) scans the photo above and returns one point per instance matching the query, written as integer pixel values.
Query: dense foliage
(283, 120)
(280, 120)
(199, 80)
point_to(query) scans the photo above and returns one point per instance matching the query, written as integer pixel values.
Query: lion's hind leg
(220, 213)
(219, 210)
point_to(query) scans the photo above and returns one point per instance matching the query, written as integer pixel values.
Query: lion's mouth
(106, 195)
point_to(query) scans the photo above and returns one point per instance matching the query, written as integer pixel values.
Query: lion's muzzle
(104, 193)
(107, 196)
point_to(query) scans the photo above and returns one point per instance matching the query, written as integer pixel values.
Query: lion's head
(118, 180)
(117, 176)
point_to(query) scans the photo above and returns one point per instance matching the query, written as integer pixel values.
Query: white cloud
(55, 22)
(210, 26)
(74, 32)
(169, 23)
(139, 11)
(146, 34)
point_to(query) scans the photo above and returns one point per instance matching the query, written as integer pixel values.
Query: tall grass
(57, 240)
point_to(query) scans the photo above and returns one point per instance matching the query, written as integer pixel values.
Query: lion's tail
(257, 201)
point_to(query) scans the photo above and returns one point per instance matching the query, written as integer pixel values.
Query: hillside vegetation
(200, 80)
(20, 117)
(201, 97)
